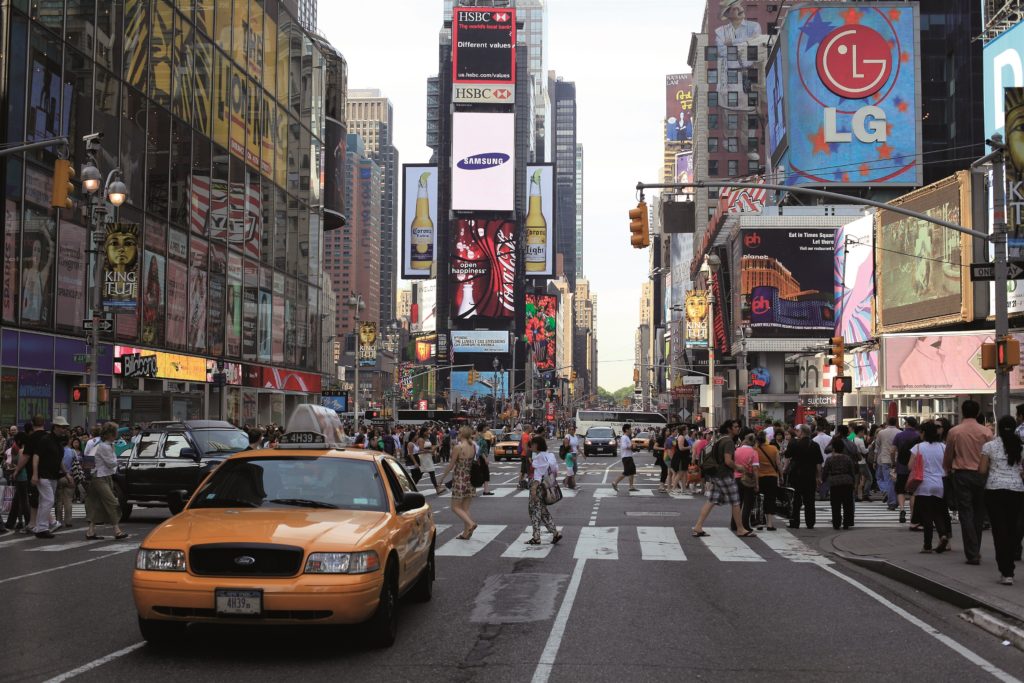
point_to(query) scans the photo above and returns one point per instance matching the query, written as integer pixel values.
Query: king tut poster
(121, 267)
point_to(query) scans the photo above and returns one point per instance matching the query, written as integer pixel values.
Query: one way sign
(986, 272)
(105, 324)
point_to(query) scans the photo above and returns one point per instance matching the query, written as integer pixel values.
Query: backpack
(389, 444)
(476, 473)
(711, 460)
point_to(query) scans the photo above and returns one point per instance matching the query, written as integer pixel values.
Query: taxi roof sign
(313, 426)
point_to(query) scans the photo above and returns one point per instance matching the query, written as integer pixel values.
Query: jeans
(970, 505)
(841, 498)
(47, 495)
(1004, 510)
(883, 474)
(804, 496)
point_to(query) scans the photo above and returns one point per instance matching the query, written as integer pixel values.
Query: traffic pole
(999, 233)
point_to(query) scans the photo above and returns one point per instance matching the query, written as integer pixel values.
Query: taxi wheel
(383, 626)
(423, 591)
(161, 633)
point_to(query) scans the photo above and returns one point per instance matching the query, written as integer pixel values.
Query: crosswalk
(614, 543)
(865, 516)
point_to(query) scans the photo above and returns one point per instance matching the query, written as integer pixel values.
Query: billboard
(787, 281)
(487, 384)
(425, 348)
(483, 162)
(679, 108)
(426, 295)
(483, 270)
(921, 272)
(541, 329)
(367, 343)
(483, 55)
(134, 362)
(121, 267)
(852, 95)
(774, 92)
(419, 220)
(334, 173)
(855, 280)
(697, 318)
(1003, 64)
(946, 363)
(684, 170)
(480, 341)
(539, 228)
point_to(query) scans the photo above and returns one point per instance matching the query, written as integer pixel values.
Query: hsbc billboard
(484, 55)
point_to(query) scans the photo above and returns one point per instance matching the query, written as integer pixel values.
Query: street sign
(986, 272)
(719, 381)
(106, 324)
(81, 358)
(693, 380)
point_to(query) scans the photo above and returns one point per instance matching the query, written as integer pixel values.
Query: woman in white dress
(426, 453)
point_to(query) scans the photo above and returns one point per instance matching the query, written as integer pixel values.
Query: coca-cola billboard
(483, 270)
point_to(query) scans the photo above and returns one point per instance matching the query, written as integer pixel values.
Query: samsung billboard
(483, 162)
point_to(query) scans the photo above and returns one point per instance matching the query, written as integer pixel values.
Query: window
(752, 123)
(713, 193)
(732, 121)
(732, 145)
(753, 167)
(732, 53)
(732, 76)
(713, 121)
(712, 76)
(400, 475)
(148, 446)
(751, 53)
(174, 444)
(752, 99)
(712, 145)
(751, 144)
(733, 168)
(751, 76)
(732, 99)
(713, 168)
(711, 212)
(712, 99)
(711, 53)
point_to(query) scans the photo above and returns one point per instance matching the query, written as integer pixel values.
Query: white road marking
(60, 547)
(604, 480)
(115, 547)
(96, 663)
(566, 493)
(484, 534)
(520, 549)
(27, 537)
(598, 543)
(660, 543)
(967, 654)
(790, 547)
(441, 528)
(63, 566)
(612, 493)
(728, 548)
(550, 652)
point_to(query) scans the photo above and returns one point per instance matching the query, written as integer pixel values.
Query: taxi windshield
(297, 482)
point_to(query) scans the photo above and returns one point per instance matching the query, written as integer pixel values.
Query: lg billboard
(483, 161)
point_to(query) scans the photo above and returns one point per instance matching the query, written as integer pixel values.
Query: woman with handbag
(747, 468)
(925, 484)
(463, 454)
(768, 477)
(1001, 460)
(543, 474)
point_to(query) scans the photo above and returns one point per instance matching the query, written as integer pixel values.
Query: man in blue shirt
(902, 443)
(65, 488)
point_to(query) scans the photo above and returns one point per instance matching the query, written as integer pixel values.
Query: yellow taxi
(306, 533)
(641, 441)
(508, 446)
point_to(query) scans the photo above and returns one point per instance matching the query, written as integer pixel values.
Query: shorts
(680, 462)
(724, 491)
(524, 465)
(628, 467)
(901, 485)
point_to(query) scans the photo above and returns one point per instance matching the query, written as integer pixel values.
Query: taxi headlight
(343, 563)
(160, 560)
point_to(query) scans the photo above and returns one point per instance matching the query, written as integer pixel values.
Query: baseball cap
(60, 421)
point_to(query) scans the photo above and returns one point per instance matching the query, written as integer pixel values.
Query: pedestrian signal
(842, 384)
(80, 393)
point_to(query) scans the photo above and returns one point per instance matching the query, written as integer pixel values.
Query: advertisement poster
(679, 108)
(488, 383)
(250, 309)
(786, 278)
(215, 321)
(197, 296)
(426, 307)
(12, 225)
(419, 220)
(234, 319)
(1003, 66)
(484, 45)
(367, 344)
(176, 302)
(774, 91)
(265, 323)
(539, 227)
(921, 269)
(684, 169)
(855, 280)
(37, 262)
(72, 260)
(483, 158)
(483, 270)
(121, 267)
(479, 341)
(35, 394)
(277, 347)
(697, 319)
(541, 328)
(153, 313)
(864, 369)
(425, 348)
(231, 212)
(939, 364)
(852, 95)
(334, 172)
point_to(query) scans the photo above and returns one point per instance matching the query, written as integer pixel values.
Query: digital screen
(541, 330)
(419, 220)
(539, 224)
(480, 341)
(483, 45)
(483, 268)
(483, 162)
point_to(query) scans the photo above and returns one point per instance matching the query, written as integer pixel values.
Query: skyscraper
(307, 14)
(579, 210)
(564, 129)
(370, 114)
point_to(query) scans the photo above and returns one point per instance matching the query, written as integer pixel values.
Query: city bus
(641, 421)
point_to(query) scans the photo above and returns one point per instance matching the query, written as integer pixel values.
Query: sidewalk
(897, 554)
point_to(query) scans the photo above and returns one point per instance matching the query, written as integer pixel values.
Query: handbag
(551, 491)
(757, 516)
(6, 500)
(784, 497)
(476, 473)
(916, 474)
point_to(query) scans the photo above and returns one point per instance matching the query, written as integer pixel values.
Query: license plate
(246, 603)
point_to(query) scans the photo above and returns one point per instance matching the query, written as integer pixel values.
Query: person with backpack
(718, 467)
(571, 444)
(483, 450)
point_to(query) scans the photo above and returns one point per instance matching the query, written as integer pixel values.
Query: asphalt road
(627, 595)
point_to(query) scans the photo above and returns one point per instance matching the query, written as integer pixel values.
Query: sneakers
(903, 516)
(1006, 580)
(615, 486)
(44, 534)
(631, 488)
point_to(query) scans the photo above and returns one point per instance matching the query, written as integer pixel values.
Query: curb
(986, 622)
(926, 585)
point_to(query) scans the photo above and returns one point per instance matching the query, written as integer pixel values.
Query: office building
(579, 210)
(563, 95)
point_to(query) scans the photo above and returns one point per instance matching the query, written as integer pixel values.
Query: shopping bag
(6, 500)
(757, 517)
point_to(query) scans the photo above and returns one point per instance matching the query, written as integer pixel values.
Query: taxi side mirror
(410, 500)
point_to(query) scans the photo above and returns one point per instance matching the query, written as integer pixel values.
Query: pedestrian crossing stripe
(613, 543)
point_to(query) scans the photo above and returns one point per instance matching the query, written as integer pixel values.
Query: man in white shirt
(92, 443)
(883, 447)
(822, 438)
(626, 454)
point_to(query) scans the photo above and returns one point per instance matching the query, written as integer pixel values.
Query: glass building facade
(214, 110)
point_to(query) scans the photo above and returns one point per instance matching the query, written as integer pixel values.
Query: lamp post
(114, 191)
(356, 303)
(744, 332)
(494, 384)
(711, 265)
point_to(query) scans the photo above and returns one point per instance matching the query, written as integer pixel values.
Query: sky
(618, 52)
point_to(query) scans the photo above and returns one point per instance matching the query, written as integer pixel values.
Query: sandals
(749, 534)
(94, 538)
(122, 535)
(533, 541)
(557, 538)
(699, 534)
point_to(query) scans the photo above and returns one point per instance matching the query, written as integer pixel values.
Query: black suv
(173, 456)
(600, 441)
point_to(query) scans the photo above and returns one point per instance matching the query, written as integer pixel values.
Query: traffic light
(102, 396)
(636, 376)
(1002, 353)
(62, 188)
(80, 393)
(473, 377)
(837, 351)
(842, 384)
(639, 229)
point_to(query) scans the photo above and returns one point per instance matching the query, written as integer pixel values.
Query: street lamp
(494, 385)
(712, 263)
(116, 192)
(743, 333)
(356, 303)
